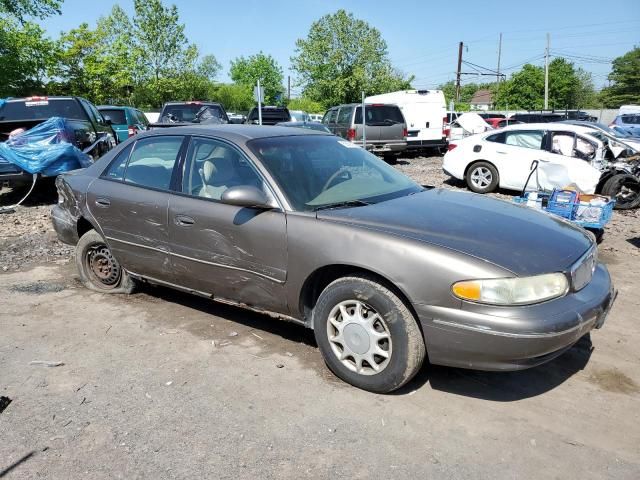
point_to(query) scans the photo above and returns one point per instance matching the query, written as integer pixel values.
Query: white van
(424, 111)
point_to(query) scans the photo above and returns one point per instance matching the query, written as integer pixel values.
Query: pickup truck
(86, 128)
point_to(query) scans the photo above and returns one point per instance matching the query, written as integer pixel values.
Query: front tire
(99, 270)
(482, 177)
(625, 189)
(367, 335)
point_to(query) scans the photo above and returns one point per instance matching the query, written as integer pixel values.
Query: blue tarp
(44, 149)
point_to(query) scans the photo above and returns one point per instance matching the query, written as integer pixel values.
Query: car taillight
(451, 146)
(132, 130)
(446, 132)
(351, 134)
(405, 132)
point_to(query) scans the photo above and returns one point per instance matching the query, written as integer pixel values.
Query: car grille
(582, 270)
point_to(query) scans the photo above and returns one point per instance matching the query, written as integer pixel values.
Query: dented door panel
(231, 252)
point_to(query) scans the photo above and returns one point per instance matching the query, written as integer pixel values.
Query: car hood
(514, 237)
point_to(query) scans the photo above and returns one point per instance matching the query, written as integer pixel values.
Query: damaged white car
(567, 155)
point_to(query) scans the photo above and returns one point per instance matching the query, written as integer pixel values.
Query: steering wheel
(337, 174)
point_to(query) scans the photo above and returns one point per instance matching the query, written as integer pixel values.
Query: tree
(341, 57)
(625, 75)
(209, 67)
(247, 71)
(234, 97)
(568, 87)
(305, 104)
(26, 56)
(19, 9)
(466, 93)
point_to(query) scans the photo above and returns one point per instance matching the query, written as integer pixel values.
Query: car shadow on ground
(288, 330)
(505, 386)
(493, 386)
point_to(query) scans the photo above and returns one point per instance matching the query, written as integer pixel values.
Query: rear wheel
(99, 270)
(367, 335)
(482, 177)
(625, 189)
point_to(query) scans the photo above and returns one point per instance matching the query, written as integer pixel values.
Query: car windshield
(117, 116)
(316, 171)
(41, 108)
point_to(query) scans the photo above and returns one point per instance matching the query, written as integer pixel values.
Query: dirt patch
(38, 288)
(613, 380)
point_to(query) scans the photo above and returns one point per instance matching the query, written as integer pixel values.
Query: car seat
(218, 174)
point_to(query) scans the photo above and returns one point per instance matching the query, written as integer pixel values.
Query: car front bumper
(515, 338)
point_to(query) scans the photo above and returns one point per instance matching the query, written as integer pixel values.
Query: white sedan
(566, 154)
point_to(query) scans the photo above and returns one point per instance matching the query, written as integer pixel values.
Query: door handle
(183, 220)
(103, 202)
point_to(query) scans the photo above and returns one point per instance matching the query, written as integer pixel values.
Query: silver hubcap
(359, 337)
(481, 177)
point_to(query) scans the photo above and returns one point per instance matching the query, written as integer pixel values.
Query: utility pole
(458, 73)
(499, 54)
(546, 75)
(288, 87)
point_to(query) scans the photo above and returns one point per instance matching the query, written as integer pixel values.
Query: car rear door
(230, 252)
(343, 122)
(130, 202)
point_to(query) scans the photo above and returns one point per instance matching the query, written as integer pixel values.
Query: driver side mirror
(246, 196)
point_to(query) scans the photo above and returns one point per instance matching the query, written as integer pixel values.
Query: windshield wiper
(347, 203)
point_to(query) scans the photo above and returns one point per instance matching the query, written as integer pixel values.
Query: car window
(379, 115)
(496, 137)
(41, 107)
(152, 160)
(92, 112)
(631, 119)
(213, 166)
(330, 117)
(344, 116)
(117, 116)
(562, 143)
(142, 118)
(117, 167)
(526, 139)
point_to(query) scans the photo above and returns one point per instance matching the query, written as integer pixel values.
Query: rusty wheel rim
(103, 266)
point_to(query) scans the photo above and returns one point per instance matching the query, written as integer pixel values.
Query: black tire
(405, 345)
(625, 189)
(92, 255)
(479, 171)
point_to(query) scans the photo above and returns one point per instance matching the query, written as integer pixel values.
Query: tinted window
(152, 160)
(344, 116)
(213, 166)
(187, 112)
(38, 109)
(496, 137)
(317, 170)
(118, 165)
(526, 139)
(270, 115)
(631, 119)
(380, 115)
(142, 118)
(118, 117)
(330, 116)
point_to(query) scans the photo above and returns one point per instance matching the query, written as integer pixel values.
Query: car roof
(233, 132)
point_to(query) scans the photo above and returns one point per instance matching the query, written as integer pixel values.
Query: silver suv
(386, 129)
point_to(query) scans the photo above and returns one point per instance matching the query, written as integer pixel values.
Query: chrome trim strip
(514, 335)
(213, 264)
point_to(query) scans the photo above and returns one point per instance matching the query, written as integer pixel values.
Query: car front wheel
(99, 270)
(625, 189)
(367, 335)
(482, 177)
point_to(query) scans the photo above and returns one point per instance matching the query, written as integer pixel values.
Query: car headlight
(512, 291)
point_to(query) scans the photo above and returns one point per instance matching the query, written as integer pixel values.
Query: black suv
(270, 115)
(193, 112)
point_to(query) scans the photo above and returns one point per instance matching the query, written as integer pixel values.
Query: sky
(422, 36)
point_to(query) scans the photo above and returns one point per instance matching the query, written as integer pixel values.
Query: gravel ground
(161, 384)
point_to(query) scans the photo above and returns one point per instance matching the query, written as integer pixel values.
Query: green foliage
(247, 71)
(25, 58)
(341, 57)
(568, 88)
(19, 9)
(305, 104)
(625, 75)
(234, 97)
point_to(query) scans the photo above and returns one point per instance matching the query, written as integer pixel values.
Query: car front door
(130, 202)
(230, 252)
